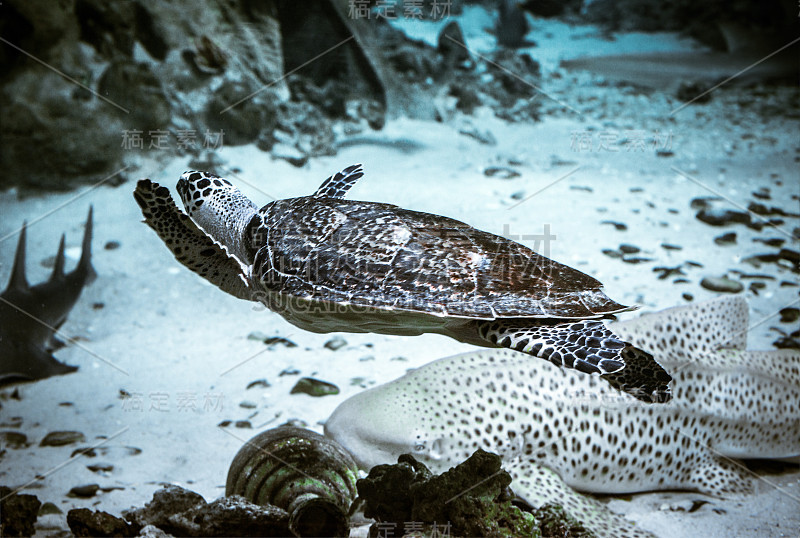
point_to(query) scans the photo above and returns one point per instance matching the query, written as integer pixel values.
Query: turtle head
(219, 208)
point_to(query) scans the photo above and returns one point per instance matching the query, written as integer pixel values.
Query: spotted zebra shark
(558, 431)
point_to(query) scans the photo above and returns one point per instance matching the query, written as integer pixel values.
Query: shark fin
(18, 280)
(539, 486)
(85, 263)
(58, 266)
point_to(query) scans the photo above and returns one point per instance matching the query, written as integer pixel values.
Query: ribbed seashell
(308, 475)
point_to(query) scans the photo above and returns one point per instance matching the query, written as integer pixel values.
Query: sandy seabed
(165, 357)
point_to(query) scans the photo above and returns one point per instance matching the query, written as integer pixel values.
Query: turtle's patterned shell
(382, 256)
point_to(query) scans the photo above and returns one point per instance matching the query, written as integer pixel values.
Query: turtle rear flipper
(188, 243)
(585, 345)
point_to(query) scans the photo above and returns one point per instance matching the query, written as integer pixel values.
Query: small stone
(758, 259)
(581, 188)
(245, 424)
(262, 383)
(500, 172)
(101, 468)
(89, 452)
(791, 255)
(755, 286)
(666, 272)
(770, 241)
(788, 342)
(484, 136)
(629, 249)
(274, 340)
(723, 217)
(519, 195)
(762, 193)
(612, 253)
(111, 245)
(49, 508)
(726, 239)
(721, 284)
(636, 259)
(61, 438)
(337, 342)
(687, 297)
(289, 371)
(224, 424)
(84, 492)
(98, 306)
(14, 440)
(668, 246)
(620, 226)
(660, 152)
(314, 387)
(789, 315)
(703, 202)
(247, 404)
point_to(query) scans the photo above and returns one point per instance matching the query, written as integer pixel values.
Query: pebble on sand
(61, 438)
(721, 284)
(314, 387)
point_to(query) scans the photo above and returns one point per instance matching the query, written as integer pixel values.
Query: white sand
(166, 335)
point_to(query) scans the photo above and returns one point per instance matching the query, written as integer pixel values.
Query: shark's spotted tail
(588, 346)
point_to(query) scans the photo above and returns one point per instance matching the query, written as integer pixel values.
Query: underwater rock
(31, 314)
(511, 25)
(723, 217)
(335, 343)
(135, 87)
(181, 512)
(85, 522)
(726, 239)
(721, 284)
(307, 475)
(85, 491)
(629, 249)
(620, 226)
(407, 491)
(314, 387)
(554, 522)
(770, 241)
(271, 341)
(101, 468)
(18, 512)
(61, 438)
(241, 115)
(764, 211)
(14, 440)
(666, 272)
(261, 383)
(500, 172)
(789, 315)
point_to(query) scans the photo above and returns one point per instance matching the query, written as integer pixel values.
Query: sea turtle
(329, 264)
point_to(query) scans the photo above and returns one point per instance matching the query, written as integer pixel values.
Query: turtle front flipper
(585, 345)
(190, 245)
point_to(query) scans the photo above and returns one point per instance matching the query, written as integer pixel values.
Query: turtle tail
(587, 346)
